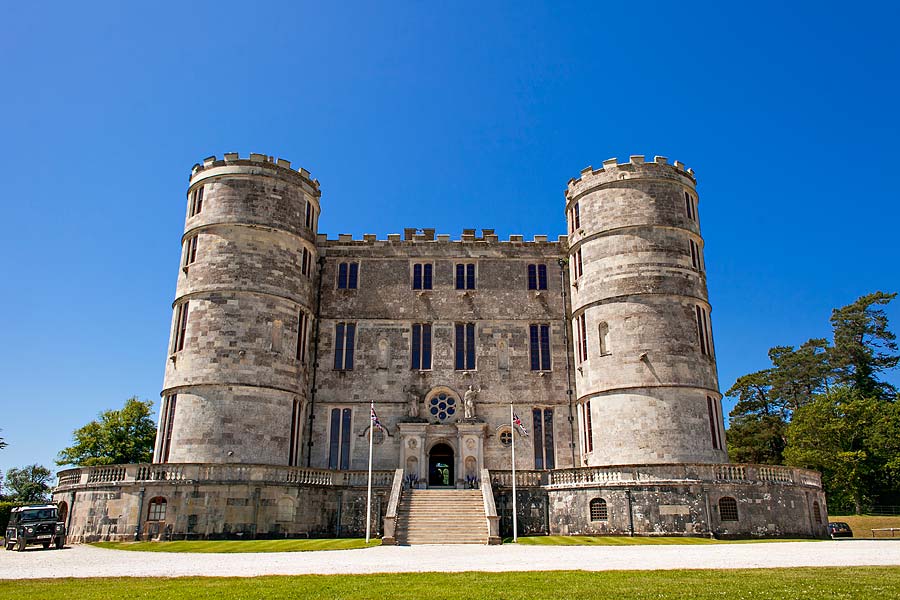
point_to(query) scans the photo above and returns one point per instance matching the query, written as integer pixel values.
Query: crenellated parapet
(428, 237)
(232, 163)
(637, 167)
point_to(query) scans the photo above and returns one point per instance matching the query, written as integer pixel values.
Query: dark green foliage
(28, 484)
(757, 439)
(5, 509)
(118, 437)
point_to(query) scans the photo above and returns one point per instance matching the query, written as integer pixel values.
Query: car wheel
(20, 546)
(9, 545)
(46, 545)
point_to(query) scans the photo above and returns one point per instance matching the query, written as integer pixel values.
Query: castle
(281, 338)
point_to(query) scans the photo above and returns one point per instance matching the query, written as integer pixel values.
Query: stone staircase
(441, 517)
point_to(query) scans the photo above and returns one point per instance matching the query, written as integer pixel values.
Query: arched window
(599, 511)
(817, 513)
(603, 331)
(728, 509)
(157, 510)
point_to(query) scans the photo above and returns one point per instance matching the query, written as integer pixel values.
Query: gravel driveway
(88, 561)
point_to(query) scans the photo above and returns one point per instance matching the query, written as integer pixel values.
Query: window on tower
(465, 346)
(421, 346)
(195, 204)
(344, 339)
(422, 276)
(537, 277)
(339, 439)
(539, 346)
(465, 276)
(543, 438)
(348, 275)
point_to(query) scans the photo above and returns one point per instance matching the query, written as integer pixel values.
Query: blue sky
(446, 115)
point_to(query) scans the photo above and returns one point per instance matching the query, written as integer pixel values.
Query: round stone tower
(237, 373)
(645, 378)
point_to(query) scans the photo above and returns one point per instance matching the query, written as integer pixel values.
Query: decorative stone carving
(469, 401)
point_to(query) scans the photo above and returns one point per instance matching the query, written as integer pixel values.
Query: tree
(29, 484)
(758, 439)
(864, 347)
(2, 442)
(118, 437)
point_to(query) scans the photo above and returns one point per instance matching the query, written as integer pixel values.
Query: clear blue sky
(448, 115)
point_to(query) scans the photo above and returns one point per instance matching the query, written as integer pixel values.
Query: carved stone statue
(413, 401)
(469, 401)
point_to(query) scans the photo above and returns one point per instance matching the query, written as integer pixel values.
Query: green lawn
(602, 540)
(862, 525)
(234, 546)
(870, 583)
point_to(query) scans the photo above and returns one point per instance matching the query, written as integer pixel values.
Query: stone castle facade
(281, 338)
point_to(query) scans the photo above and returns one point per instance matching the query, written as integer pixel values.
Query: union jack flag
(518, 423)
(375, 421)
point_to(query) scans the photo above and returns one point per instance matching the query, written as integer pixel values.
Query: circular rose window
(442, 406)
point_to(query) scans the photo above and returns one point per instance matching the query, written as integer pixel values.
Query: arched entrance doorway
(440, 466)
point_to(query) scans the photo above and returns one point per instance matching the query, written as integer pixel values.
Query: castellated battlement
(413, 235)
(255, 161)
(636, 167)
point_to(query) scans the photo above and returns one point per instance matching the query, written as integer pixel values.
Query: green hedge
(5, 509)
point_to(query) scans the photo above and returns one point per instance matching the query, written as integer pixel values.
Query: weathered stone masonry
(281, 338)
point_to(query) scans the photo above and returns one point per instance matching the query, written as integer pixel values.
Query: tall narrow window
(576, 211)
(465, 346)
(421, 346)
(302, 325)
(306, 262)
(422, 276)
(539, 344)
(537, 277)
(339, 440)
(180, 331)
(577, 265)
(465, 276)
(588, 429)
(696, 257)
(196, 203)
(166, 422)
(348, 275)
(543, 438)
(690, 207)
(603, 334)
(703, 331)
(190, 250)
(581, 338)
(309, 215)
(293, 454)
(344, 337)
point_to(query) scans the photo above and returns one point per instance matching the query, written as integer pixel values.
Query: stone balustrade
(218, 473)
(636, 474)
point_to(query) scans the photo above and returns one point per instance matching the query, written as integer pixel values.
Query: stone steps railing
(635, 474)
(206, 472)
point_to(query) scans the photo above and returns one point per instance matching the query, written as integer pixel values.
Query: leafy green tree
(864, 347)
(29, 484)
(758, 439)
(118, 437)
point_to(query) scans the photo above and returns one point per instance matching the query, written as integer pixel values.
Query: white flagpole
(512, 427)
(369, 492)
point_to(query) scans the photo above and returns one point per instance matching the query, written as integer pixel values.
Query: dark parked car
(839, 529)
(37, 524)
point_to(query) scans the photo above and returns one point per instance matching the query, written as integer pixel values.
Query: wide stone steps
(441, 517)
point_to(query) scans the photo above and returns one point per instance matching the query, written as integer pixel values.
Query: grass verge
(862, 525)
(602, 540)
(871, 583)
(237, 546)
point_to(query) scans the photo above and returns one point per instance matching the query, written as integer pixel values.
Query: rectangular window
(695, 254)
(344, 337)
(309, 215)
(539, 344)
(190, 250)
(422, 276)
(348, 275)
(537, 277)
(581, 349)
(339, 441)
(465, 346)
(166, 421)
(576, 211)
(588, 429)
(196, 203)
(421, 346)
(302, 325)
(465, 276)
(543, 438)
(577, 265)
(711, 406)
(180, 331)
(703, 331)
(306, 262)
(293, 454)
(690, 207)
